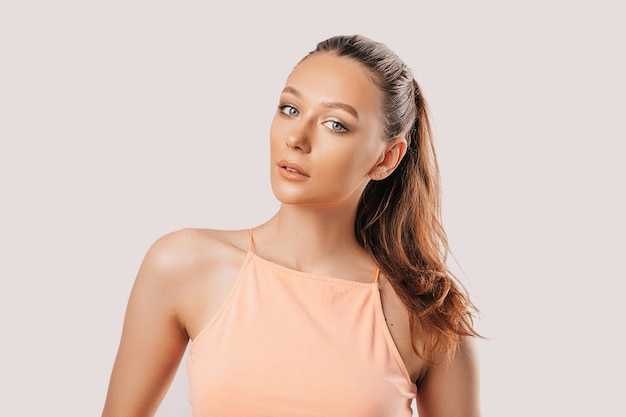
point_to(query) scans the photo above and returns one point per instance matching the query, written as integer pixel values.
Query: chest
(286, 338)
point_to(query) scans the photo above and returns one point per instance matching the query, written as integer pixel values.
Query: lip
(291, 170)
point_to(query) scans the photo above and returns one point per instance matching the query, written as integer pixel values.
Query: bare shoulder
(197, 267)
(182, 279)
(190, 248)
(458, 379)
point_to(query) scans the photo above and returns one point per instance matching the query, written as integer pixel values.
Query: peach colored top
(289, 343)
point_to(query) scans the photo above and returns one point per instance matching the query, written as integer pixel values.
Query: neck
(310, 238)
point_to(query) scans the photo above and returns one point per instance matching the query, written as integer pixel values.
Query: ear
(394, 151)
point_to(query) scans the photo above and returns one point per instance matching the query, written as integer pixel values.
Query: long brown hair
(399, 218)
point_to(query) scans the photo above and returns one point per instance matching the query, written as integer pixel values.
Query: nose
(298, 138)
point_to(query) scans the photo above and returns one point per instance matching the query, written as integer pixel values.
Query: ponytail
(399, 222)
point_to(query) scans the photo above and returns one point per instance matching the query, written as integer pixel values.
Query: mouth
(292, 168)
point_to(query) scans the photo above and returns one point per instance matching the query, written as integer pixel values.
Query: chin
(290, 198)
(287, 193)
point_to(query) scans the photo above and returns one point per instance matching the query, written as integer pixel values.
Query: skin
(186, 275)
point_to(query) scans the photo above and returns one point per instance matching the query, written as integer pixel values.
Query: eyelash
(344, 129)
(282, 108)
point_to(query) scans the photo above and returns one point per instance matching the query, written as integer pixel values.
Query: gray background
(121, 121)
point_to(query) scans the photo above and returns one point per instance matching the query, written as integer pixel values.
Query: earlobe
(394, 152)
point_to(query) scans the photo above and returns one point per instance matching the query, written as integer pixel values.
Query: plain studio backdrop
(123, 121)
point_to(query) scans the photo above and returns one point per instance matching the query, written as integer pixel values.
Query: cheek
(363, 159)
(347, 166)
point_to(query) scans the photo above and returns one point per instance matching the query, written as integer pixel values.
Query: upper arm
(452, 390)
(153, 341)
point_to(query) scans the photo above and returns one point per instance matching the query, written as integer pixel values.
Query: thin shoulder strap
(377, 275)
(251, 246)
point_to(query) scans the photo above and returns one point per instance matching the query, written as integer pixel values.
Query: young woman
(341, 303)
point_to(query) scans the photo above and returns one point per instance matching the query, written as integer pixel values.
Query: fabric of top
(292, 344)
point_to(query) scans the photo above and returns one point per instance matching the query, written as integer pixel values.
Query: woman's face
(326, 136)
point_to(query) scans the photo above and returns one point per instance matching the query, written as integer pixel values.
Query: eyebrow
(330, 104)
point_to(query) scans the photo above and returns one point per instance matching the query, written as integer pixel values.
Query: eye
(335, 126)
(288, 110)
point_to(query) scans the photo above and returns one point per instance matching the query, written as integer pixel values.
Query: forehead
(327, 77)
